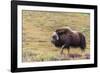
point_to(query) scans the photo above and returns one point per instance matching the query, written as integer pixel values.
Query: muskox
(65, 38)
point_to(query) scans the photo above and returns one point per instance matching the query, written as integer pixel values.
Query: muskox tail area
(82, 41)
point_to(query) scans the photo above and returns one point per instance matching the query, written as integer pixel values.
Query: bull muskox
(65, 38)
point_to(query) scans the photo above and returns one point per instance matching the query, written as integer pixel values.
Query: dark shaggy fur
(66, 38)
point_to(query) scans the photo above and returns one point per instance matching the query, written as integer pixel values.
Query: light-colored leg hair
(62, 48)
(61, 51)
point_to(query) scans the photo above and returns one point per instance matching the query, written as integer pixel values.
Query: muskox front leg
(61, 51)
(62, 48)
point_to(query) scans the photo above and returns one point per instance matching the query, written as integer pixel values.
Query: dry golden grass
(37, 30)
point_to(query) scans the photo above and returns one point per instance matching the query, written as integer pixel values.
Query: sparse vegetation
(38, 27)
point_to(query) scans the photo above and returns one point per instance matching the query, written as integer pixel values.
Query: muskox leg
(62, 49)
(68, 50)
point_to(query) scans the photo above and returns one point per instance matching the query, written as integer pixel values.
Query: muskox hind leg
(82, 41)
(68, 50)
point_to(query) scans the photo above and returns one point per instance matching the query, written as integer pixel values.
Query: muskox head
(60, 36)
(65, 38)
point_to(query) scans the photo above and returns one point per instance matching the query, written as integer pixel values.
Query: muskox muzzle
(56, 40)
(55, 36)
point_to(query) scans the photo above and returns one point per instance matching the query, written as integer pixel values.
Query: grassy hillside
(37, 30)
